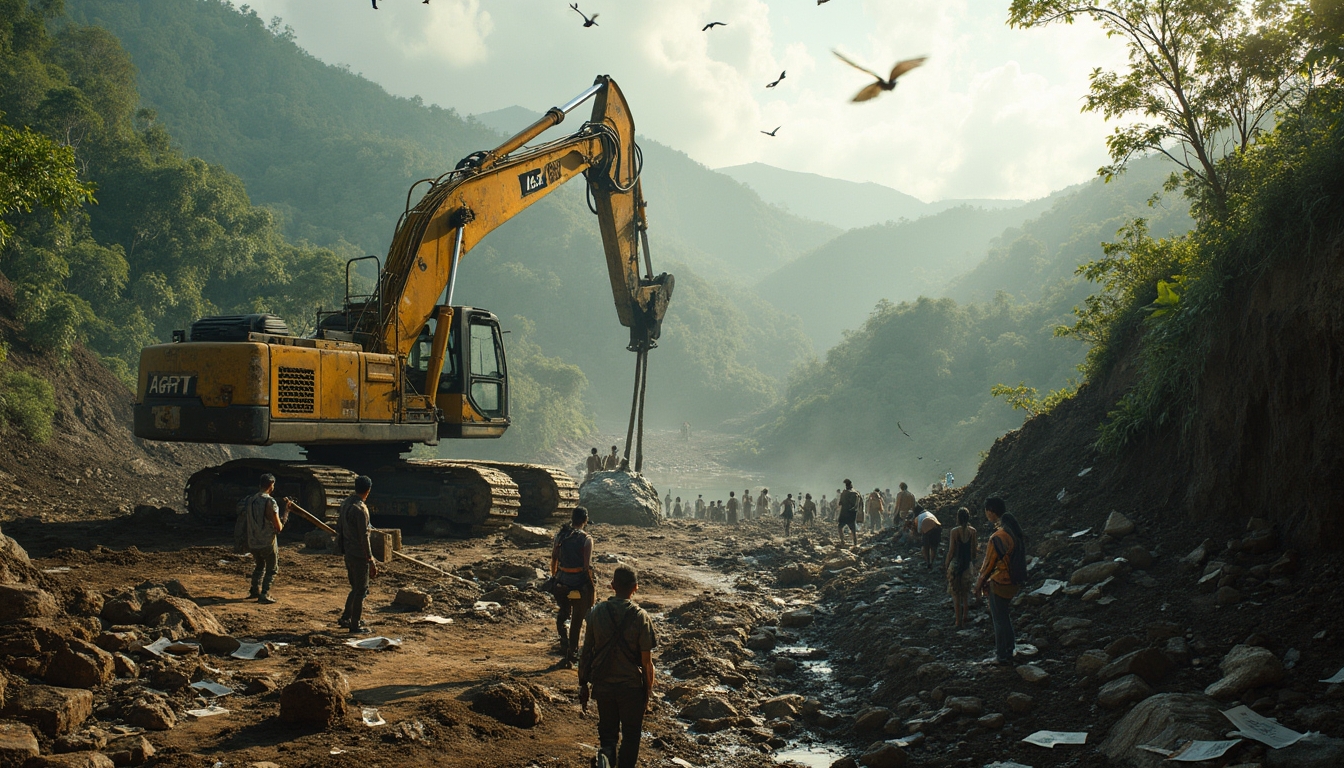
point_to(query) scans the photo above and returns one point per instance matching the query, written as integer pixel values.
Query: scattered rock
(1149, 663)
(1314, 751)
(1123, 645)
(1070, 623)
(151, 712)
(845, 762)
(55, 711)
(220, 645)
(130, 750)
(797, 574)
(883, 755)
(787, 705)
(122, 610)
(1091, 662)
(799, 617)
(80, 665)
(706, 707)
(318, 540)
(1019, 703)
(1285, 565)
(84, 602)
(621, 498)
(932, 672)
(1118, 526)
(316, 697)
(1195, 560)
(1177, 650)
(169, 610)
(1091, 574)
(71, 760)
(993, 721)
(1138, 557)
(1123, 692)
(510, 704)
(1162, 720)
(785, 665)
(965, 705)
(1033, 674)
(24, 601)
(17, 744)
(1245, 667)
(414, 598)
(761, 641)
(1227, 596)
(527, 535)
(872, 719)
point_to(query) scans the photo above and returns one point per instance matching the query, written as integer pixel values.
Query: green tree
(1206, 77)
(36, 172)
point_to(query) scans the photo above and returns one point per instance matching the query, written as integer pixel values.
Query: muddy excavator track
(458, 498)
(548, 494)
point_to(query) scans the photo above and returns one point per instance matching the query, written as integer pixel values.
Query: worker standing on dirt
(786, 512)
(352, 541)
(612, 462)
(809, 511)
(905, 504)
(875, 508)
(1003, 573)
(572, 567)
(733, 507)
(849, 502)
(264, 524)
(594, 465)
(617, 662)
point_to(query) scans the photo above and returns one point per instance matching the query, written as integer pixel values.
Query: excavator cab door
(473, 391)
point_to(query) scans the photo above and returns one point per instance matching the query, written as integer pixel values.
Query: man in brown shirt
(617, 661)
(352, 539)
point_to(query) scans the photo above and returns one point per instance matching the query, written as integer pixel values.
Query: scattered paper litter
(1049, 739)
(336, 751)
(212, 688)
(251, 651)
(1262, 729)
(1050, 587)
(57, 569)
(1076, 534)
(433, 619)
(1338, 677)
(1155, 750)
(1084, 472)
(682, 763)
(207, 711)
(1005, 764)
(374, 643)
(223, 562)
(1062, 493)
(1197, 751)
(156, 648)
(372, 718)
(485, 605)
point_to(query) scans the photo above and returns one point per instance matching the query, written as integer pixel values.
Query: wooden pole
(310, 517)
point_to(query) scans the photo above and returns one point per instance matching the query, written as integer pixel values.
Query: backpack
(602, 656)
(240, 526)
(1017, 562)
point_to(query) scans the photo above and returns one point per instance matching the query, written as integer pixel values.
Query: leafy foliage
(1024, 398)
(36, 171)
(28, 403)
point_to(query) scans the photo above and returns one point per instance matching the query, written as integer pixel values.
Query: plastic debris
(1050, 587)
(251, 651)
(1083, 532)
(374, 643)
(1049, 739)
(157, 647)
(433, 619)
(207, 711)
(1084, 472)
(1338, 677)
(212, 688)
(372, 718)
(485, 605)
(1262, 729)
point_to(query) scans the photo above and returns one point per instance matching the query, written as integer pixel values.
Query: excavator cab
(473, 388)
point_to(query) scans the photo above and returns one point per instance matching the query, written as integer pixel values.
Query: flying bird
(772, 133)
(903, 432)
(588, 21)
(714, 24)
(881, 85)
(772, 85)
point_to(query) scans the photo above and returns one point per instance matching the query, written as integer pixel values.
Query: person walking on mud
(572, 567)
(809, 511)
(786, 512)
(352, 541)
(264, 522)
(962, 547)
(849, 501)
(616, 668)
(1003, 573)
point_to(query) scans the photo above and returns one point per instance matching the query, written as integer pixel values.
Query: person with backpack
(849, 502)
(260, 522)
(352, 541)
(617, 664)
(572, 569)
(1003, 572)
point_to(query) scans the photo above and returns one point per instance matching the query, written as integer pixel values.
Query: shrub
(28, 403)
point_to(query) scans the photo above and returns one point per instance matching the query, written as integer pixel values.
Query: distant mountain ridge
(845, 204)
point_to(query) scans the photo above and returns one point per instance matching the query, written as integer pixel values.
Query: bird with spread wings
(772, 133)
(588, 21)
(714, 24)
(882, 84)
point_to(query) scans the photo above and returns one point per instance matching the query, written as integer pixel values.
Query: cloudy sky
(993, 114)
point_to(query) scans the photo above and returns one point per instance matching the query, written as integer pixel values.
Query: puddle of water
(813, 756)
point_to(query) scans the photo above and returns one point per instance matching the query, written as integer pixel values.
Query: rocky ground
(771, 650)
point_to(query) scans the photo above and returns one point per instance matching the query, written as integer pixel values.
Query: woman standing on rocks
(787, 513)
(572, 567)
(1004, 571)
(961, 550)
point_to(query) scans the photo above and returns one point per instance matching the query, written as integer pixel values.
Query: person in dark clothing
(961, 550)
(263, 521)
(617, 662)
(1006, 545)
(849, 502)
(352, 539)
(786, 512)
(572, 567)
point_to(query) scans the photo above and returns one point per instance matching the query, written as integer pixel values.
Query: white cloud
(994, 113)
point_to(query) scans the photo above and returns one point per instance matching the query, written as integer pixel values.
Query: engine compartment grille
(297, 390)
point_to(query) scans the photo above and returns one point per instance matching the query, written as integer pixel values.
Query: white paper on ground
(1076, 534)
(374, 643)
(1005, 764)
(212, 688)
(207, 711)
(372, 718)
(1084, 472)
(57, 569)
(1049, 739)
(1338, 677)
(250, 651)
(1262, 729)
(156, 648)
(484, 605)
(337, 751)
(682, 763)
(1050, 587)
(1155, 750)
(1196, 751)
(433, 619)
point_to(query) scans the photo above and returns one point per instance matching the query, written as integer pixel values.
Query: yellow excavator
(402, 365)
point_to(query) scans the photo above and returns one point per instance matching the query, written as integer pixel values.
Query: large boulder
(1123, 692)
(168, 610)
(1245, 667)
(510, 704)
(151, 712)
(80, 665)
(88, 759)
(25, 601)
(1162, 721)
(17, 744)
(1091, 574)
(883, 755)
(55, 711)
(316, 697)
(621, 498)
(14, 562)
(706, 707)
(1118, 526)
(1149, 663)
(527, 535)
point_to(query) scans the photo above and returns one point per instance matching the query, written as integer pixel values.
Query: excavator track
(548, 494)
(463, 498)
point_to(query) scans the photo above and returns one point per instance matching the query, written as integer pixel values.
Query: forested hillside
(334, 154)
